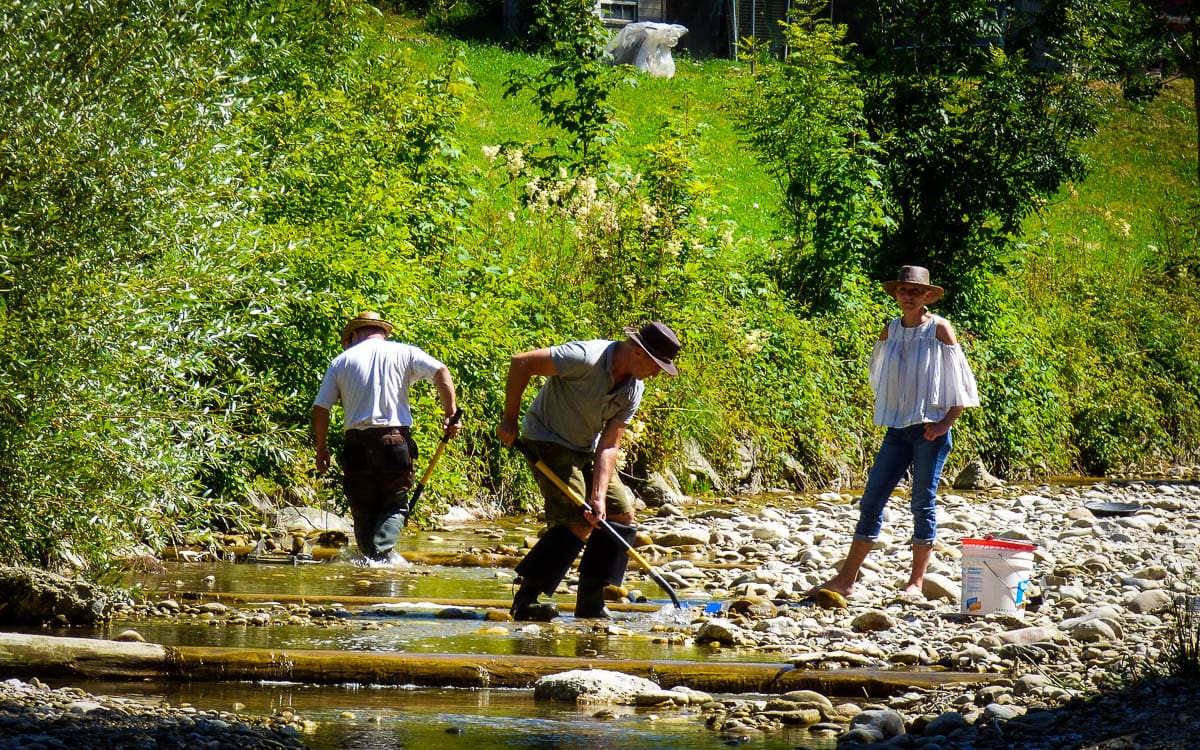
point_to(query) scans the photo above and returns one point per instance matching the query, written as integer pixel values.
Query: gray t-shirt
(573, 407)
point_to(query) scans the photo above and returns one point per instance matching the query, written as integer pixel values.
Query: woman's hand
(934, 430)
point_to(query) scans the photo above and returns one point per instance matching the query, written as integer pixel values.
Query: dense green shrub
(199, 197)
(136, 285)
(1023, 426)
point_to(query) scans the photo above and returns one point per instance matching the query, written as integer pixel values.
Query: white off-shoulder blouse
(917, 378)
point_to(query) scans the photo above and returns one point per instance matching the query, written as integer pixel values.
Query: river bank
(1105, 596)
(34, 716)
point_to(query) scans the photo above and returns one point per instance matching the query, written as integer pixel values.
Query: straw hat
(364, 320)
(659, 342)
(914, 276)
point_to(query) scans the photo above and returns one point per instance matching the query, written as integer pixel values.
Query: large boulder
(304, 520)
(29, 596)
(975, 476)
(594, 686)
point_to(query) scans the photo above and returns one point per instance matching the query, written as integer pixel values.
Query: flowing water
(365, 716)
(354, 717)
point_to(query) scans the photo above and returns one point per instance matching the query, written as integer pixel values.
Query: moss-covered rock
(29, 596)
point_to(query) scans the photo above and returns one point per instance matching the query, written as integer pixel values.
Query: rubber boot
(526, 606)
(604, 562)
(541, 571)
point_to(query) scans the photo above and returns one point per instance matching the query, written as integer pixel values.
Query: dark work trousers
(378, 466)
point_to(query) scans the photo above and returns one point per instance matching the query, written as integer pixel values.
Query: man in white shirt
(371, 379)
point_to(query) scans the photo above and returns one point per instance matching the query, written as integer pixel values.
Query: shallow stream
(364, 716)
(361, 718)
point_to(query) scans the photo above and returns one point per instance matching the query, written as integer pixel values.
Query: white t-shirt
(372, 379)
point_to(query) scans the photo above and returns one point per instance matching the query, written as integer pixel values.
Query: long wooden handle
(412, 503)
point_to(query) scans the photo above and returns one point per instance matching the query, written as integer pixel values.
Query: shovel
(575, 498)
(412, 504)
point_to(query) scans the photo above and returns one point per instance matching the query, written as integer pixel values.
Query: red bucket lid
(1000, 544)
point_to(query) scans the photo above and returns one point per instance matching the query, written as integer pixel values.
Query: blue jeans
(904, 447)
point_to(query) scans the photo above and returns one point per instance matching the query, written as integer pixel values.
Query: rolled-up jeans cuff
(865, 538)
(920, 542)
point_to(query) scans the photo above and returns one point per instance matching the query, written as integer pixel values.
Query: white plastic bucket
(995, 575)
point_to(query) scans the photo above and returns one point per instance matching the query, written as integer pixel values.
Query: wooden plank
(51, 656)
(23, 655)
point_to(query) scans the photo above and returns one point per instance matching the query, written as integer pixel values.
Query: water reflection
(360, 717)
(435, 636)
(400, 628)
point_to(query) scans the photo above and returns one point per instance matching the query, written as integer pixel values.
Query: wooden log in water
(516, 671)
(470, 559)
(23, 655)
(367, 601)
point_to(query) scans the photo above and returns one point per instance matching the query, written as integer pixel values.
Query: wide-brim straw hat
(364, 320)
(914, 276)
(659, 342)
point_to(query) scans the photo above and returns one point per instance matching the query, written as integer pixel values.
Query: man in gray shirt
(575, 424)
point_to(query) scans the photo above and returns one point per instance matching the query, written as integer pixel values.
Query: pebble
(1101, 597)
(33, 715)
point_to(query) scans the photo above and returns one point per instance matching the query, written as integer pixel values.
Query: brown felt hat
(364, 320)
(914, 276)
(659, 342)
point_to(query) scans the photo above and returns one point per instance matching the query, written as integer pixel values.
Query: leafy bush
(804, 118)
(196, 203)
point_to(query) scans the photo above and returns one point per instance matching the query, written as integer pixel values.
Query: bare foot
(913, 591)
(836, 586)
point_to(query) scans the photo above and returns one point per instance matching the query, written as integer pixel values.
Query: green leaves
(573, 89)
(805, 119)
(137, 287)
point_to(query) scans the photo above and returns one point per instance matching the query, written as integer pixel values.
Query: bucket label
(972, 588)
(1020, 599)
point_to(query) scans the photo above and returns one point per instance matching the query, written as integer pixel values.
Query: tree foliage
(932, 146)
(978, 130)
(143, 289)
(572, 91)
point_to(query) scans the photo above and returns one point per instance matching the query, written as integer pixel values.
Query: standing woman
(922, 382)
